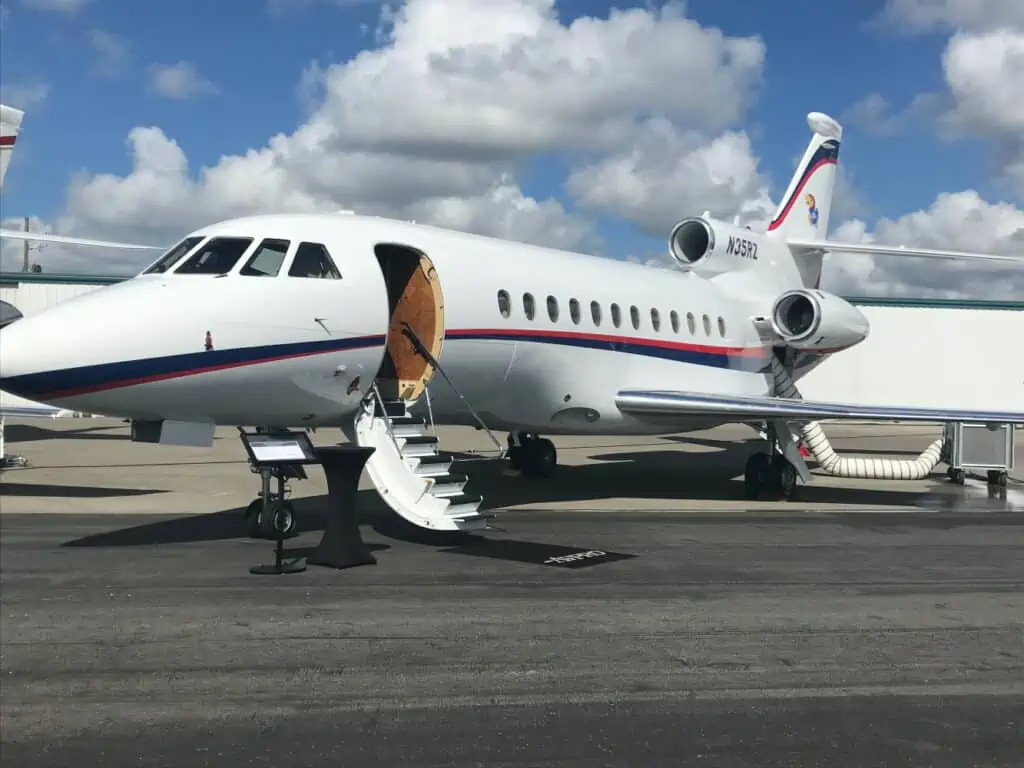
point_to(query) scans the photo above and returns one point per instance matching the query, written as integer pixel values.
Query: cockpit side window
(215, 257)
(313, 260)
(267, 259)
(173, 256)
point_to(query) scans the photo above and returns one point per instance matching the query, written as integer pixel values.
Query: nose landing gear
(270, 514)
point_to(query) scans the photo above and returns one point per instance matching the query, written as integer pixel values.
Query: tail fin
(805, 208)
(10, 124)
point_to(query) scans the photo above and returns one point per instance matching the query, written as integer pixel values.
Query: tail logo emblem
(812, 209)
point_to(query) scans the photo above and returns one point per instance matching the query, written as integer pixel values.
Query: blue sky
(820, 56)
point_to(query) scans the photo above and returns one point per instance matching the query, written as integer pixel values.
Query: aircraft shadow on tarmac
(41, 490)
(31, 433)
(670, 474)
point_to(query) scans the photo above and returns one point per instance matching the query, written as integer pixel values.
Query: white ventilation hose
(849, 466)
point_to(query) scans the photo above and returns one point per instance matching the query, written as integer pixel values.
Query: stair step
(405, 420)
(391, 408)
(474, 521)
(447, 485)
(432, 465)
(463, 504)
(420, 440)
(407, 426)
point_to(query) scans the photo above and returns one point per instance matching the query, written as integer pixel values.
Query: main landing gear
(769, 477)
(775, 475)
(531, 454)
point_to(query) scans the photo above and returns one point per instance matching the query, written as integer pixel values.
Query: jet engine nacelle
(710, 247)
(816, 321)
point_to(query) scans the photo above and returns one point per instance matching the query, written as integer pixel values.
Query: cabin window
(529, 306)
(674, 317)
(656, 319)
(313, 260)
(574, 311)
(553, 309)
(267, 260)
(595, 312)
(504, 303)
(707, 325)
(217, 256)
(691, 323)
(721, 327)
(634, 317)
(173, 256)
(616, 315)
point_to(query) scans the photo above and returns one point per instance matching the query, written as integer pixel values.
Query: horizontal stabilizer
(17, 234)
(870, 249)
(655, 405)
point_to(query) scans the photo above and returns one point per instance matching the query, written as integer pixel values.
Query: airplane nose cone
(20, 360)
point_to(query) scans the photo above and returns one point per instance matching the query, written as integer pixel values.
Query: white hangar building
(920, 352)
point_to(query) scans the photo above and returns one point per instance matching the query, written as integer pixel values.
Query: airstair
(409, 470)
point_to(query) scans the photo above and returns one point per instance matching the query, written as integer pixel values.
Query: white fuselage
(287, 351)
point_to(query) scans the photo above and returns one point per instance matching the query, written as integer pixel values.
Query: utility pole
(24, 246)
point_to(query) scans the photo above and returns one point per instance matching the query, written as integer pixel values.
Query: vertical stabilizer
(804, 210)
(10, 124)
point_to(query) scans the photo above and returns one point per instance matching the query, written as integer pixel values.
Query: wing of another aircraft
(799, 244)
(17, 234)
(659, 406)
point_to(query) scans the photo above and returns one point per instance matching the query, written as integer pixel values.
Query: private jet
(384, 328)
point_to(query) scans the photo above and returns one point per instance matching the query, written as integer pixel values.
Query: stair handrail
(387, 421)
(421, 349)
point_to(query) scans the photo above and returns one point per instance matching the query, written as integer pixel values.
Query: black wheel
(283, 519)
(515, 457)
(784, 478)
(280, 515)
(539, 457)
(252, 518)
(958, 476)
(997, 478)
(757, 476)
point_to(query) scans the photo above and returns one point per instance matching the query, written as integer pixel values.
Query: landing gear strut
(531, 454)
(270, 515)
(775, 475)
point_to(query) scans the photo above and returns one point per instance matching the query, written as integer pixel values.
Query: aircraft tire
(282, 513)
(252, 518)
(784, 478)
(539, 457)
(757, 476)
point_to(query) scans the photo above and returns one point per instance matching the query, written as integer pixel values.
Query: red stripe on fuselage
(7, 141)
(611, 339)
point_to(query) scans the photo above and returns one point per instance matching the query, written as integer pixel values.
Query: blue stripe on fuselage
(54, 385)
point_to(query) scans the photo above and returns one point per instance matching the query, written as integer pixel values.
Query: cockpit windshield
(266, 260)
(173, 256)
(216, 257)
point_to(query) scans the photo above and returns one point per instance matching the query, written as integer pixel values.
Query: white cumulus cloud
(439, 122)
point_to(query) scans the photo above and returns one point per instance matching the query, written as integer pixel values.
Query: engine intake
(691, 241)
(818, 321)
(796, 316)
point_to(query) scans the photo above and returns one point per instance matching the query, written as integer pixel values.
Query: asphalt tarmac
(885, 629)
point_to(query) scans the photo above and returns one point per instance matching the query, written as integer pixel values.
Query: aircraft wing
(659, 405)
(17, 234)
(898, 250)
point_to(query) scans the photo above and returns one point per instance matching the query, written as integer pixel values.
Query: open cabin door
(415, 302)
(408, 469)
